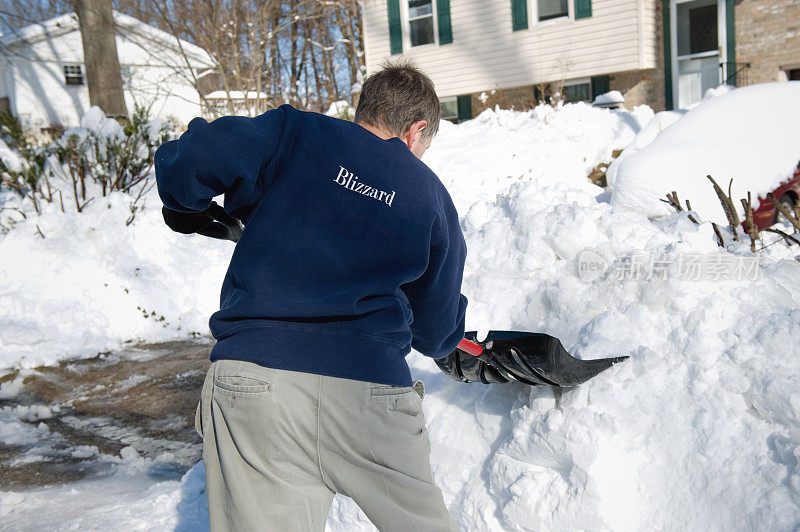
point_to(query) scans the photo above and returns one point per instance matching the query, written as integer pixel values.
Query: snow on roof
(68, 22)
(235, 95)
(40, 30)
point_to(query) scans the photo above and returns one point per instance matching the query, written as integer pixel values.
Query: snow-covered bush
(95, 159)
(22, 160)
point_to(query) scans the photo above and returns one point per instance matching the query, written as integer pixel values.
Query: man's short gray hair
(396, 97)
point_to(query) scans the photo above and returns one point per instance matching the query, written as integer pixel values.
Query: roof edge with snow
(68, 22)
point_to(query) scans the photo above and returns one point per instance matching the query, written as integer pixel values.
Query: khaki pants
(277, 446)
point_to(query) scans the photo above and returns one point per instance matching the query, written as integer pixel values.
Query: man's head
(400, 100)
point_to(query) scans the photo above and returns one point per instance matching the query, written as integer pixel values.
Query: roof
(69, 22)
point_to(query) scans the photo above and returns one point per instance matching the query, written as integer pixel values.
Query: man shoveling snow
(352, 254)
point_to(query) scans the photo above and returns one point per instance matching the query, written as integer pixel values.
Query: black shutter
(519, 14)
(443, 18)
(395, 31)
(599, 86)
(464, 107)
(583, 8)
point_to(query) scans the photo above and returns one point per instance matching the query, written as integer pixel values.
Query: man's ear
(414, 133)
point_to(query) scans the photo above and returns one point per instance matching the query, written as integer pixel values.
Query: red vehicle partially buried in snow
(787, 193)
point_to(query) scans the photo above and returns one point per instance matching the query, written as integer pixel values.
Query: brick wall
(519, 98)
(640, 87)
(767, 37)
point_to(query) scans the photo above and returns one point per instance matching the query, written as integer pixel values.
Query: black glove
(213, 222)
(186, 222)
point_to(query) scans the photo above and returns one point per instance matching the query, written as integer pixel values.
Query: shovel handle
(468, 346)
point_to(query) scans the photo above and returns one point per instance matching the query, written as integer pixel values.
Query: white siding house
(470, 46)
(42, 74)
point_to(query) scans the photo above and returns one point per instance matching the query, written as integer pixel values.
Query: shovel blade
(538, 358)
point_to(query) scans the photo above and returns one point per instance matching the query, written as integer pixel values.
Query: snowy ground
(699, 430)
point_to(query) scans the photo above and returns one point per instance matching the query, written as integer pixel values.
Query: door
(698, 48)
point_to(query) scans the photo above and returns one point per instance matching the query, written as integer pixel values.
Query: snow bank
(747, 134)
(93, 283)
(132, 497)
(700, 429)
(482, 157)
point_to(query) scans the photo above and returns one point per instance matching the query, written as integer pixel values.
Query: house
(664, 53)
(42, 74)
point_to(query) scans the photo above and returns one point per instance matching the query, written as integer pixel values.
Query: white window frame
(82, 74)
(405, 17)
(534, 8)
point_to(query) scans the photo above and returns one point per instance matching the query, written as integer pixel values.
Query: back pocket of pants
(241, 384)
(388, 389)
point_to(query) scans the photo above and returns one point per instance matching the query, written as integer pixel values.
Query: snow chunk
(610, 97)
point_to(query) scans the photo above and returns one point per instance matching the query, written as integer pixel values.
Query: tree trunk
(100, 56)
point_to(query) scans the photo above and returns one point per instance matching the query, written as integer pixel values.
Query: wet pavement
(68, 422)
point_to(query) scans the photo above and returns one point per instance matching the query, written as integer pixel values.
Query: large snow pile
(482, 157)
(748, 134)
(699, 429)
(92, 282)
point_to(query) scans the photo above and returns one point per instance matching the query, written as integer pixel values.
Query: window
(420, 21)
(703, 29)
(73, 74)
(577, 92)
(449, 109)
(548, 9)
(793, 75)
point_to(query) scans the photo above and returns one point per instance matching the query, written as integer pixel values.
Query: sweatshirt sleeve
(436, 301)
(229, 155)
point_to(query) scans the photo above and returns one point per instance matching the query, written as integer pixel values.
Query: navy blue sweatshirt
(352, 252)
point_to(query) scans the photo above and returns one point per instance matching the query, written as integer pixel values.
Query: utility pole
(103, 74)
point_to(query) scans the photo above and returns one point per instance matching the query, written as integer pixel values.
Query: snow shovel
(531, 358)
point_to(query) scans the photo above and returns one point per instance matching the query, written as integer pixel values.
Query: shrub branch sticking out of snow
(750, 228)
(98, 157)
